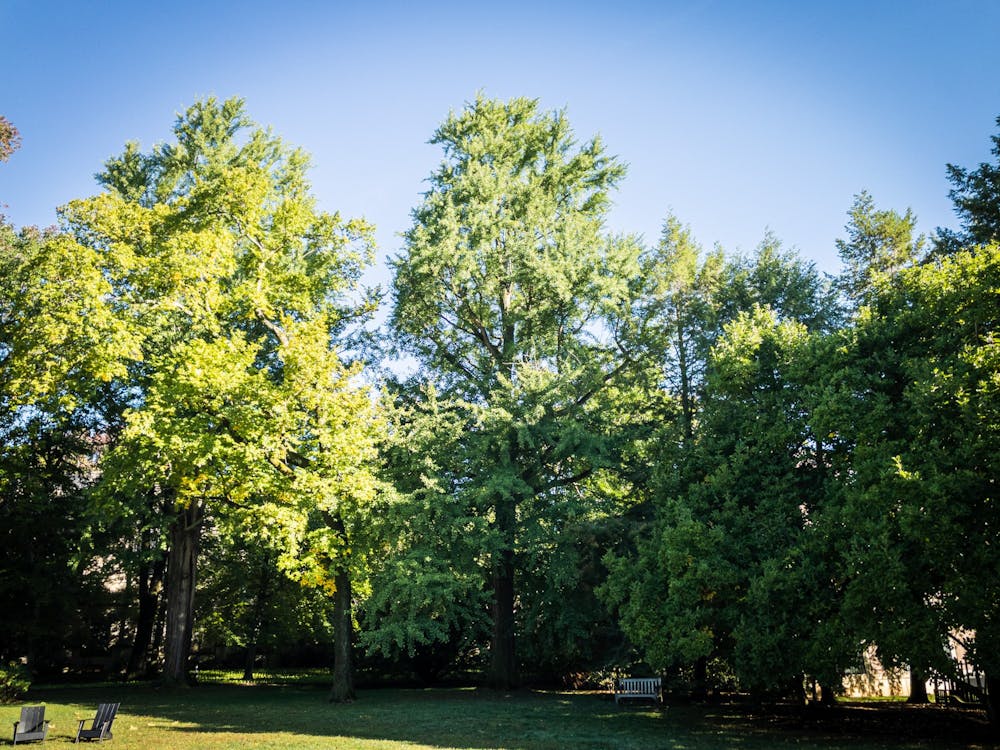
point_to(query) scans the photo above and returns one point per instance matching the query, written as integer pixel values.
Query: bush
(14, 682)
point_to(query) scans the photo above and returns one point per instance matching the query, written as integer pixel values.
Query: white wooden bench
(638, 687)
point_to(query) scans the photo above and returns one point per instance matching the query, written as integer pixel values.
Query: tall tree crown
(505, 262)
(879, 243)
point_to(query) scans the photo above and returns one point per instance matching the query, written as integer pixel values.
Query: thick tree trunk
(918, 687)
(503, 657)
(343, 666)
(150, 591)
(182, 559)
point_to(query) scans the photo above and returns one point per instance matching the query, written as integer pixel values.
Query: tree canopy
(607, 454)
(236, 290)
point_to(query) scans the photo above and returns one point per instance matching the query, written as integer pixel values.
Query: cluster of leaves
(10, 138)
(14, 682)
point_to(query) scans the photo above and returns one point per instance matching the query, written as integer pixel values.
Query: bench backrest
(644, 685)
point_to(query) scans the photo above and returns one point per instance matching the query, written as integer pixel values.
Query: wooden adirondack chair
(100, 727)
(32, 726)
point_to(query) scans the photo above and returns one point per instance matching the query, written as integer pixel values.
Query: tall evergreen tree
(878, 244)
(726, 566)
(976, 195)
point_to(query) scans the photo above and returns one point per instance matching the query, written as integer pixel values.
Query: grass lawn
(298, 716)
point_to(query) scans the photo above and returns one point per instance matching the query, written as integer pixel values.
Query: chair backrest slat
(32, 717)
(105, 714)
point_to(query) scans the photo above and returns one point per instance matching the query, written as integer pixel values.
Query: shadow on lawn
(438, 718)
(480, 719)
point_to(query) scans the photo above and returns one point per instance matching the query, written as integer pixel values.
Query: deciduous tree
(238, 288)
(508, 293)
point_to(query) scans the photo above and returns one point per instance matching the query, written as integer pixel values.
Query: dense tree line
(603, 454)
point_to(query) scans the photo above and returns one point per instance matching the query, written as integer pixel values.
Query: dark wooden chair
(33, 726)
(100, 727)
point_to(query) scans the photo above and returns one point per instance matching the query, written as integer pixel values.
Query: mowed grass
(298, 716)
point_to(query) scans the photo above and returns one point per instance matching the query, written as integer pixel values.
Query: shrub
(14, 682)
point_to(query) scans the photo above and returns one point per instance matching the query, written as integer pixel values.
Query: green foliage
(14, 682)
(781, 280)
(749, 470)
(428, 605)
(731, 566)
(976, 195)
(59, 347)
(247, 601)
(923, 451)
(235, 293)
(505, 252)
(217, 256)
(60, 339)
(878, 244)
(679, 306)
(511, 298)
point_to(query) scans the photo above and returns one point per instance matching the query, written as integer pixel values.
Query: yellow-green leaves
(61, 335)
(232, 286)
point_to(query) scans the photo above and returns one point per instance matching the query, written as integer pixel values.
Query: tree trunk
(918, 687)
(343, 668)
(257, 625)
(687, 399)
(182, 559)
(503, 659)
(248, 660)
(699, 682)
(150, 590)
(161, 619)
(993, 701)
(828, 696)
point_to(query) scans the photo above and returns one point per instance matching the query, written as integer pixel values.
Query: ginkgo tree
(239, 289)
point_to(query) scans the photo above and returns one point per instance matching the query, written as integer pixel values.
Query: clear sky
(737, 116)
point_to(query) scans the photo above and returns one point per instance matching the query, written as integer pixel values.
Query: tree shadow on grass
(473, 719)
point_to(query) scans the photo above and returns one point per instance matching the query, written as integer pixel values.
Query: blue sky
(735, 116)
